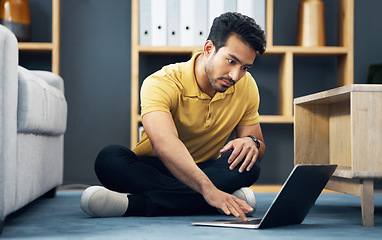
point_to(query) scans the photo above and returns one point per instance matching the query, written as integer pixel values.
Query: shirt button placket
(209, 115)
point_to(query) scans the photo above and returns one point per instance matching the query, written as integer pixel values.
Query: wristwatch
(255, 140)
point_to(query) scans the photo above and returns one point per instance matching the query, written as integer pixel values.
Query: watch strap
(257, 142)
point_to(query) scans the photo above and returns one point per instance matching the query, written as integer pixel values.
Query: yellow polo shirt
(203, 124)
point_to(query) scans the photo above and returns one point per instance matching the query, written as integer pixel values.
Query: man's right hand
(228, 203)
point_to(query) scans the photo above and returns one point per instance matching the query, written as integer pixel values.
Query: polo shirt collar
(190, 86)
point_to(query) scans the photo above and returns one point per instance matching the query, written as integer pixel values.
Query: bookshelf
(344, 51)
(54, 45)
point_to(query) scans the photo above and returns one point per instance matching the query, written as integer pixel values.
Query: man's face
(227, 66)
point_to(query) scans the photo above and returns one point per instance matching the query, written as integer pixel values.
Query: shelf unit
(340, 126)
(54, 45)
(344, 51)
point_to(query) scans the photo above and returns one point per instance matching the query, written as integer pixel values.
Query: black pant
(155, 191)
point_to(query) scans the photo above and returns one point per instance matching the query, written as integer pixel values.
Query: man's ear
(208, 48)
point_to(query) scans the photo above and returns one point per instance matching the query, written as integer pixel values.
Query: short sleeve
(157, 94)
(251, 115)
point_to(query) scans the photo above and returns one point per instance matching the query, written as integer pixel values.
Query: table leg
(367, 202)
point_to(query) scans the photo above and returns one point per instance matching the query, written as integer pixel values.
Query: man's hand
(244, 150)
(228, 203)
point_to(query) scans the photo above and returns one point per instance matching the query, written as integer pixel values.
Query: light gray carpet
(335, 216)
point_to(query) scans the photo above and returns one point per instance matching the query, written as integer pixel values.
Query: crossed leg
(155, 191)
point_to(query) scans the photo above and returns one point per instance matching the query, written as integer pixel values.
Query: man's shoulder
(247, 83)
(168, 75)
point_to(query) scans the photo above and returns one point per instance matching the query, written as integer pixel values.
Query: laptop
(291, 205)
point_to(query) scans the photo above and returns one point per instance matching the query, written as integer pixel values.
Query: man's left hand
(244, 150)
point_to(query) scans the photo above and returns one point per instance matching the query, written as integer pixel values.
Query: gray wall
(95, 63)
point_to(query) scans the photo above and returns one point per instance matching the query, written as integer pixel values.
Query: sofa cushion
(42, 108)
(51, 78)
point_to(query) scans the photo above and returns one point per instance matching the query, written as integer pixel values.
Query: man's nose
(234, 74)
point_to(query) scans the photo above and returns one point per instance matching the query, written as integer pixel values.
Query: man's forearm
(164, 138)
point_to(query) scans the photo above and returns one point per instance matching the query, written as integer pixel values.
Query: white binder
(187, 22)
(259, 13)
(159, 22)
(201, 21)
(145, 22)
(230, 5)
(140, 130)
(254, 9)
(173, 22)
(246, 7)
(215, 9)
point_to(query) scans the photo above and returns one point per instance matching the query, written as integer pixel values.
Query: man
(182, 165)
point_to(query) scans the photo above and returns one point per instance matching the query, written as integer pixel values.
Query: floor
(334, 216)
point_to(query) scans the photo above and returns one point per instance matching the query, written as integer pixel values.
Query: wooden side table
(343, 126)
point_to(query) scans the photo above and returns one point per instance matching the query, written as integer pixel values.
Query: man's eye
(231, 61)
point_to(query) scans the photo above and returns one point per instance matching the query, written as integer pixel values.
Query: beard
(218, 87)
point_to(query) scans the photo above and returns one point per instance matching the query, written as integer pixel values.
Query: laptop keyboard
(252, 221)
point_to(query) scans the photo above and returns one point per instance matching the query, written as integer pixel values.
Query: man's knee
(111, 153)
(247, 178)
(105, 154)
(255, 170)
(231, 180)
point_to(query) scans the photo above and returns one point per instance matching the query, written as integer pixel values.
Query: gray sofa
(33, 113)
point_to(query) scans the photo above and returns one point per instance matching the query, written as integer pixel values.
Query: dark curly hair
(236, 23)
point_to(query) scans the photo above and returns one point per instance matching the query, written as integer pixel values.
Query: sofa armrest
(8, 119)
(52, 79)
(42, 108)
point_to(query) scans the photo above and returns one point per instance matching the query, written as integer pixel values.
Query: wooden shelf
(344, 52)
(273, 50)
(262, 188)
(348, 173)
(54, 46)
(276, 119)
(34, 46)
(338, 126)
(263, 119)
(169, 50)
(310, 51)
